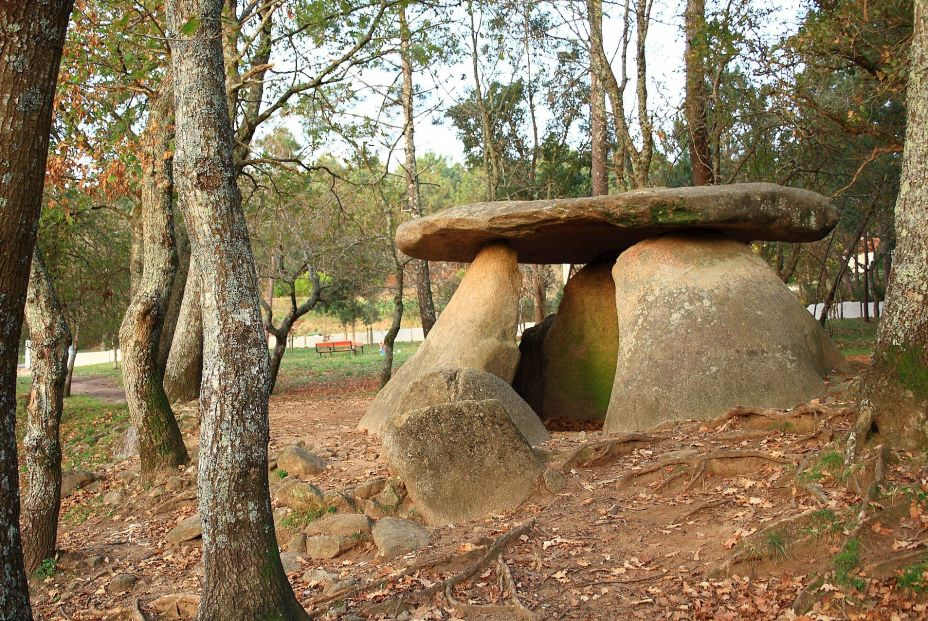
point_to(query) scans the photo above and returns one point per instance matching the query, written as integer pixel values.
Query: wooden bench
(333, 347)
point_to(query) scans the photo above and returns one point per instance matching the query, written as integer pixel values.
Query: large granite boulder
(529, 379)
(705, 326)
(580, 348)
(452, 385)
(578, 230)
(461, 461)
(477, 329)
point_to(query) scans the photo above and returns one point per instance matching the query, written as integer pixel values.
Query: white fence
(368, 337)
(845, 310)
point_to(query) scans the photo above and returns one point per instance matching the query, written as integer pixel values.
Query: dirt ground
(728, 519)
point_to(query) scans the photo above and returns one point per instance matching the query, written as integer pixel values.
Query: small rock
(299, 461)
(174, 484)
(340, 524)
(391, 496)
(113, 498)
(369, 488)
(322, 547)
(340, 500)
(395, 537)
(291, 561)
(186, 530)
(297, 544)
(319, 577)
(121, 583)
(555, 481)
(300, 496)
(340, 585)
(73, 480)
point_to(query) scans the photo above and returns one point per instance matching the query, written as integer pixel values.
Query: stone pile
(673, 317)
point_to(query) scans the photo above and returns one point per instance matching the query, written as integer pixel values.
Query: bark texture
(897, 383)
(243, 575)
(697, 97)
(161, 447)
(598, 145)
(177, 291)
(50, 339)
(30, 53)
(184, 369)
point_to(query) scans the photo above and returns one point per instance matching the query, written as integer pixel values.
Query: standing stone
(477, 329)
(580, 348)
(529, 379)
(461, 461)
(452, 385)
(705, 326)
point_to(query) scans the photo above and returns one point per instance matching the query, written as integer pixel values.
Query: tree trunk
(50, 339)
(177, 292)
(897, 382)
(184, 369)
(697, 99)
(243, 575)
(599, 149)
(30, 54)
(387, 371)
(72, 356)
(830, 298)
(538, 292)
(866, 279)
(161, 447)
(413, 199)
(490, 160)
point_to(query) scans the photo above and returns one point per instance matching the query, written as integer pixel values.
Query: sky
(447, 85)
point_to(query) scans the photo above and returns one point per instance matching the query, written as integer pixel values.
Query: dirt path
(106, 389)
(648, 530)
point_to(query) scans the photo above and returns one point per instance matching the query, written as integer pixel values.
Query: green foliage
(914, 577)
(281, 473)
(829, 463)
(301, 519)
(845, 562)
(46, 569)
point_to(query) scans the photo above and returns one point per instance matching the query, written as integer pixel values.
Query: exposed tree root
(396, 605)
(512, 609)
(714, 462)
(809, 418)
(611, 449)
(756, 547)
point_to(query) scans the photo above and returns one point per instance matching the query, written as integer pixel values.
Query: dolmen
(672, 317)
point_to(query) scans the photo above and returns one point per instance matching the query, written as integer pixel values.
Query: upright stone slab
(477, 329)
(705, 326)
(529, 379)
(580, 348)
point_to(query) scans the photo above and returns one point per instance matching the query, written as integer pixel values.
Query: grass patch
(301, 519)
(281, 474)
(89, 428)
(300, 367)
(844, 563)
(776, 543)
(829, 463)
(854, 337)
(824, 522)
(914, 577)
